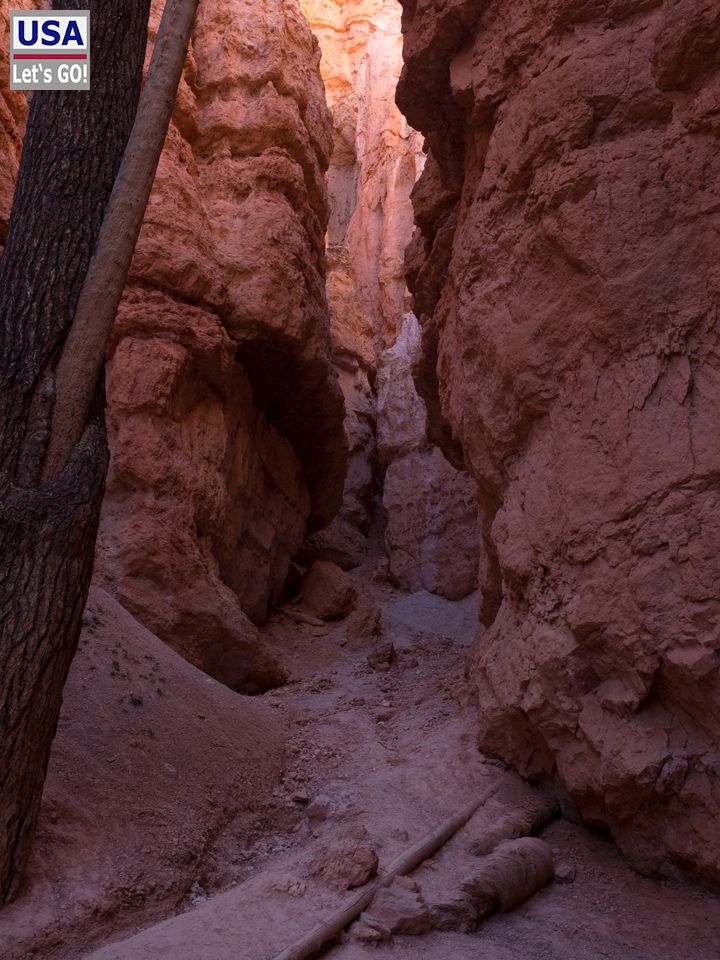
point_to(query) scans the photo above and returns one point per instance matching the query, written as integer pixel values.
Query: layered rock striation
(225, 413)
(565, 278)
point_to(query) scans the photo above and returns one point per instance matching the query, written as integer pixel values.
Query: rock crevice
(430, 508)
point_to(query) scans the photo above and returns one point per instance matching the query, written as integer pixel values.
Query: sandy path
(382, 758)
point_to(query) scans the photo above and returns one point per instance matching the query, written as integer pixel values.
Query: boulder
(347, 867)
(397, 909)
(328, 592)
(382, 657)
(363, 628)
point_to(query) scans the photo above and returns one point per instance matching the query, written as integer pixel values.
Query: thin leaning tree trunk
(83, 357)
(59, 245)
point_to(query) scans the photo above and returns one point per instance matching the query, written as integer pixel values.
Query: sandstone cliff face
(206, 501)
(376, 161)
(566, 280)
(372, 171)
(224, 411)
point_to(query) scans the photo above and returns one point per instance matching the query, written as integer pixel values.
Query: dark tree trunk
(73, 147)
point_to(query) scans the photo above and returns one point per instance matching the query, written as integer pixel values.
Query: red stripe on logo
(49, 56)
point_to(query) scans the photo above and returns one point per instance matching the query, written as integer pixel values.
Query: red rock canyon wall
(373, 168)
(224, 411)
(566, 278)
(430, 508)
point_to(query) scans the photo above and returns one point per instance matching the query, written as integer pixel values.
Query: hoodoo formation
(412, 508)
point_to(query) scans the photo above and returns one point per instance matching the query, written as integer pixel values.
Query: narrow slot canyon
(412, 403)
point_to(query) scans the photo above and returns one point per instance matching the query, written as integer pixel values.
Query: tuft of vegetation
(91, 621)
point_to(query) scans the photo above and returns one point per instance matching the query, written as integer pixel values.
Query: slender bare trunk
(82, 359)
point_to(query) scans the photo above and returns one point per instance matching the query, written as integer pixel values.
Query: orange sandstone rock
(376, 161)
(225, 412)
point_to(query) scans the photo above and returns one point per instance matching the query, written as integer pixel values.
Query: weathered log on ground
(402, 865)
(510, 875)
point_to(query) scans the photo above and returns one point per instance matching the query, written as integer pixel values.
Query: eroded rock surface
(206, 501)
(225, 412)
(376, 161)
(431, 508)
(224, 409)
(565, 276)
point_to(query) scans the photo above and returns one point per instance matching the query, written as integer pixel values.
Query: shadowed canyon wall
(431, 521)
(431, 508)
(566, 279)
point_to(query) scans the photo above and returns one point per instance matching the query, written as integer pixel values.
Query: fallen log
(508, 876)
(512, 873)
(403, 864)
(525, 820)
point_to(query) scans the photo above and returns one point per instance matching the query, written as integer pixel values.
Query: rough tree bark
(74, 145)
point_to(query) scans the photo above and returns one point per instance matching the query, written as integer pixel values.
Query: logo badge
(50, 50)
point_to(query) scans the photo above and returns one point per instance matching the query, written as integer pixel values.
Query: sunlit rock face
(224, 411)
(376, 161)
(566, 279)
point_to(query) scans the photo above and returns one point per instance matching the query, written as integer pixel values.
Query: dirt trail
(381, 758)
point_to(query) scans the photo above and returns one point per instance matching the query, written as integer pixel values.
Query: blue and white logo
(50, 50)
